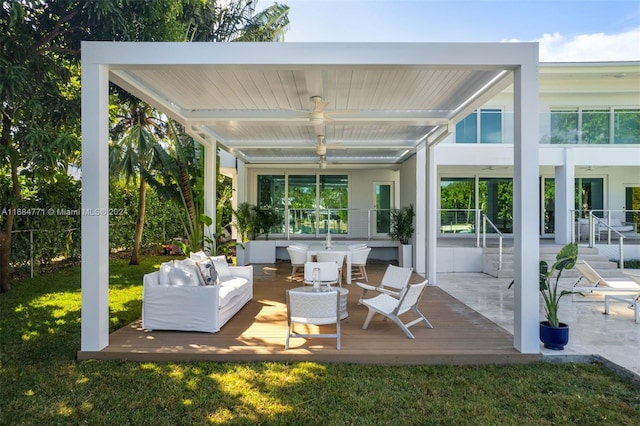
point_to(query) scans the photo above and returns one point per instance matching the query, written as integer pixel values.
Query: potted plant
(553, 333)
(250, 222)
(243, 223)
(402, 230)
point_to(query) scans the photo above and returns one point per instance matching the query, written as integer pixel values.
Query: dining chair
(328, 272)
(298, 256)
(337, 258)
(359, 263)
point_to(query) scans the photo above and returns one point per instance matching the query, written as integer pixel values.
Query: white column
(210, 180)
(564, 198)
(526, 212)
(95, 204)
(432, 212)
(420, 235)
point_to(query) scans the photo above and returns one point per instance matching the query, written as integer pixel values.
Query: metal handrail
(485, 219)
(595, 220)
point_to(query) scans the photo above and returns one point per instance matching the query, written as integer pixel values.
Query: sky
(567, 30)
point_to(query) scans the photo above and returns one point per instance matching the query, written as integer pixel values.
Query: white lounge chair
(392, 308)
(633, 301)
(596, 283)
(394, 280)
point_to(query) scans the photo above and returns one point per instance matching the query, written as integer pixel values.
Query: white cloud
(596, 47)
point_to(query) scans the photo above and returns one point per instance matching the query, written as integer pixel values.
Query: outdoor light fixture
(321, 147)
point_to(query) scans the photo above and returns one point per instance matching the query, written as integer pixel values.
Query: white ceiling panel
(261, 112)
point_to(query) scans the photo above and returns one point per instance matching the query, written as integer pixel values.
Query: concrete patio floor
(614, 337)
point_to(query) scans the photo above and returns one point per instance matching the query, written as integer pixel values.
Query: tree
(39, 72)
(235, 20)
(39, 88)
(179, 178)
(138, 127)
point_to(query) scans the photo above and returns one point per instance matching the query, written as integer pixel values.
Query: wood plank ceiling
(374, 114)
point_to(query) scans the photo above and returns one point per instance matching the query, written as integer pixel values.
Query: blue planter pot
(554, 338)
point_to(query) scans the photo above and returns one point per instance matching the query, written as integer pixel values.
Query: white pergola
(278, 103)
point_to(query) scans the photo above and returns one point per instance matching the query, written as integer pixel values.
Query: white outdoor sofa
(188, 295)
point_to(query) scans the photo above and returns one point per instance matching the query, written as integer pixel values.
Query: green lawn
(42, 384)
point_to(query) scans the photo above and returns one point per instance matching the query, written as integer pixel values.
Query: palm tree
(137, 128)
(235, 20)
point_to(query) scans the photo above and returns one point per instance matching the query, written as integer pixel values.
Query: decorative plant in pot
(553, 333)
(402, 230)
(243, 222)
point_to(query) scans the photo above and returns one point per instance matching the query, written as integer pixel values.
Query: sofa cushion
(163, 274)
(229, 288)
(188, 265)
(180, 278)
(208, 271)
(198, 256)
(222, 267)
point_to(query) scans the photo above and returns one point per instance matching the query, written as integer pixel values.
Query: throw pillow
(208, 271)
(222, 267)
(190, 266)
(163, 274)
(181, 278)
(198, 256)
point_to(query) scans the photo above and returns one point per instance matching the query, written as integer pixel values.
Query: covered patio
(377, 106)
(257, 333)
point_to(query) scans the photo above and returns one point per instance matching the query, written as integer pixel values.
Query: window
(457, 205)
(315, 202)
(595, 126)
(564, 127)
(496, 201)
(383, 203)
(589, 196)
(271, 196)
(482, 126)
(333, 205)
(626, 126)
(302, 204)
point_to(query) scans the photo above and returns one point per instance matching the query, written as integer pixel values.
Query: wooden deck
(257, 333)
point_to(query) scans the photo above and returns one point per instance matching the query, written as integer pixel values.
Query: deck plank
(257, 333)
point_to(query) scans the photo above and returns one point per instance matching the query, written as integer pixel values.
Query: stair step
(547, 253)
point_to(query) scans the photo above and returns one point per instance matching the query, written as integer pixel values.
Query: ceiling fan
(321, 150)
(318, 116)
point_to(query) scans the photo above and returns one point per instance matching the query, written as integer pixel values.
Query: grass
(43, 384)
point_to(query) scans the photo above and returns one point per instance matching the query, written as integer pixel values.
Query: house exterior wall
(580, 85)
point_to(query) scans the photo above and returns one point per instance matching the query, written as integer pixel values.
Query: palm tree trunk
(137, 242)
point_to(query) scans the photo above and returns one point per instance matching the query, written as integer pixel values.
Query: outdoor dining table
(314, 249)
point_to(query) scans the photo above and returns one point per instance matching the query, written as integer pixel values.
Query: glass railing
(556, 130)
(457, 221)
(605, 226)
